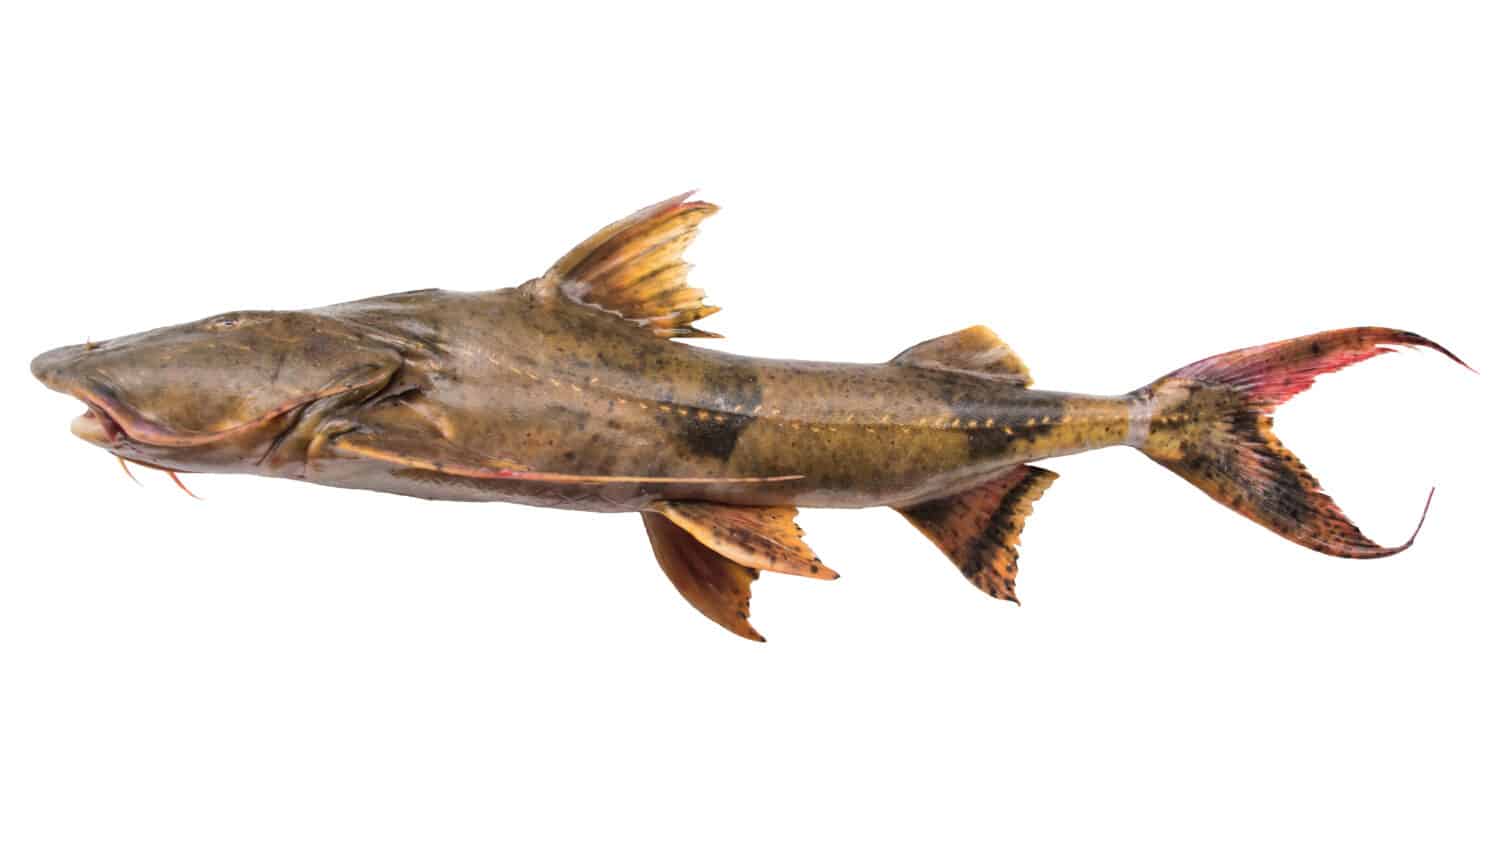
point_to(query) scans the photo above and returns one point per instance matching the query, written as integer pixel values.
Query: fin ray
(716, 586)
(762, 537)
(634, 269)
(975, 350)
(980, 529)
(1210, 423)
(443, 459)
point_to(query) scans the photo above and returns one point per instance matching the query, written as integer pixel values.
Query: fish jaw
(96, 428)
(189, 399)
(107, 420)
(103, 422)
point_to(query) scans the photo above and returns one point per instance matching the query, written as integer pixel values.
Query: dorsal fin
(633, 268)
(974, 350)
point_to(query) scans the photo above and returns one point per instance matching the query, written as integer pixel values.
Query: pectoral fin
(766, 538)
(981, 528)
(716, 586)
(415, 450)
(431, 453)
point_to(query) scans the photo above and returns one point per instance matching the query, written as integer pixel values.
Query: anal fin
(980, 529)
(714, 585)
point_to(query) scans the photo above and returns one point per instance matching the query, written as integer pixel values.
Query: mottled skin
(560, 387)
(568, 391)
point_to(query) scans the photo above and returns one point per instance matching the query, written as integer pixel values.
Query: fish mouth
(115, 419)
(110, 422)
(97, 426)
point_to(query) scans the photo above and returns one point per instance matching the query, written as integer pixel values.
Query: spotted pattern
(714, 585)
(980, 530)
(565, 392)
(1211, 424)
(761, 537)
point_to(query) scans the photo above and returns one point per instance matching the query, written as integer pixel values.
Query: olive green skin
(440, 380)
(566, 388)
(229, 393)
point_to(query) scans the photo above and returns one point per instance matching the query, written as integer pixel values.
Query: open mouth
(96, 425)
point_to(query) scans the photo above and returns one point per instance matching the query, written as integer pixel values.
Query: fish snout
(222, 387)
(58, 368)
(61, 369)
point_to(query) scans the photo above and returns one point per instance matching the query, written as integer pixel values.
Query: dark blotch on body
(711, 437)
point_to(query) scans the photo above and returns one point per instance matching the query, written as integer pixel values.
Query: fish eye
(224, 323)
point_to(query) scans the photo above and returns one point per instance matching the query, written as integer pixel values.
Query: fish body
(568, 391)
(577, 392)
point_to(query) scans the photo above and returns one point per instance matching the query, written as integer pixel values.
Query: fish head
(217, 394)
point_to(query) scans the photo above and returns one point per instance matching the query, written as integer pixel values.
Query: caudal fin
(1210, 422)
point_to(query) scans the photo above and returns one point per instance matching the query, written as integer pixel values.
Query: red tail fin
(1210, 422)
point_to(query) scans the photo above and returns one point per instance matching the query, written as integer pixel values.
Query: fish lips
(110, 421)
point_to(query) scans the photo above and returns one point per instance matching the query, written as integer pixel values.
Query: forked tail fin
(1210, 422)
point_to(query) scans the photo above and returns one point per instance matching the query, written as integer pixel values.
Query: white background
(1117, 189)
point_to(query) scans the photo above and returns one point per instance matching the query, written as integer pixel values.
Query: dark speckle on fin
(716, 586)
(762, 537)
(974, 350)
(980, 529)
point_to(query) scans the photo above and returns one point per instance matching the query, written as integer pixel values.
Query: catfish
(570, 391)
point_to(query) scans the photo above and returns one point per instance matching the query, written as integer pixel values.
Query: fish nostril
(53, 366)
(44, 366)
